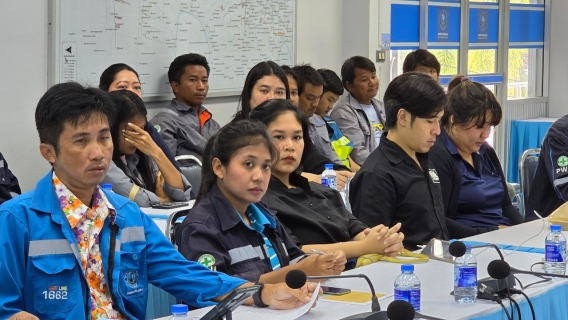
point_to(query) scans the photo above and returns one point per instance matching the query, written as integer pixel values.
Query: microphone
(458, 248)
(397, 310)
(400, 310)
(498, 268)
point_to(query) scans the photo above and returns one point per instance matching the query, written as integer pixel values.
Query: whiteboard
(87, 36)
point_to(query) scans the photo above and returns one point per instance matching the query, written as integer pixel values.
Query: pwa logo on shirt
(562, 162)
(131, 278)
(434, 175)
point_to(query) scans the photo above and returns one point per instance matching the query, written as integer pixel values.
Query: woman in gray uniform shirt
(140, 170)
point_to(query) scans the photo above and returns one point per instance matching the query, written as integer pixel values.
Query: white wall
(558, 80)
(23, 79)
(23, 61)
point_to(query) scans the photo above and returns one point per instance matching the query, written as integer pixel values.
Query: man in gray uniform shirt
(358, 114)
(186, 125)
(310, 90)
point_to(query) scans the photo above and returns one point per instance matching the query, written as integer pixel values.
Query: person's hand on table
(280, 296)
(340, 261)
(318, 264)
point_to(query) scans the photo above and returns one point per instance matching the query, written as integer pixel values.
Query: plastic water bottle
(179, 312)
(328, 177)
(107, 187)
(465, 278)
(407, 286)
(555, 251)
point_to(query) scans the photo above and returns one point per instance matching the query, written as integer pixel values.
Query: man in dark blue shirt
(9, 186)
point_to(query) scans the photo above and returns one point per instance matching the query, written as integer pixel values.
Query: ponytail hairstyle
(223, 146)
(470, 103)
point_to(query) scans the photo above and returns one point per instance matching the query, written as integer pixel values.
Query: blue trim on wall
(486, 79)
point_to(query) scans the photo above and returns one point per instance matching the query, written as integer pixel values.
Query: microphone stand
(375, 306)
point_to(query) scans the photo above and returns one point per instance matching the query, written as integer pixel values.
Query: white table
(437, 281)
(530, 234)
(160, 216)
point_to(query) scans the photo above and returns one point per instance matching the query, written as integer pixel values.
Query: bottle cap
(555, 227)
(329, 166)
(107, 186)
(179, 308)
(407, 267)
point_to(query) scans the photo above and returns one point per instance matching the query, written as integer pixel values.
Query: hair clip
(464, 79)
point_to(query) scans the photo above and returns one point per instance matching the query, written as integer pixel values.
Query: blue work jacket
(42, 272)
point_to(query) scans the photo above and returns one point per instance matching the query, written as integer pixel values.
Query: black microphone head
(400, 310)
(498, 269)
(296, 279)
(457, 249)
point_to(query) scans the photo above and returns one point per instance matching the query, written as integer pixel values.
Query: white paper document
(254, 313)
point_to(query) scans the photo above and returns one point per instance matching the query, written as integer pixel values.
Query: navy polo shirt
(481, 192)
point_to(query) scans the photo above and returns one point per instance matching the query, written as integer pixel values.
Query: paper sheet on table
(354, 297)
(252, 313)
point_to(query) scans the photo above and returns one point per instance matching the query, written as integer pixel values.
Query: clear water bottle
(328, 177)
(345, 195)
(555, 251)
(179, 312)
(465, 278)
(407, 286)
(107, 187)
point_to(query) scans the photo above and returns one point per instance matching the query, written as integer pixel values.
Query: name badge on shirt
(434, 175)
(1, 163)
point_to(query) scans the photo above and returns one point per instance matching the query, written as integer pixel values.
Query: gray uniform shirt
(180, 127)
(122, 183)
(320, 138)
(353, 122)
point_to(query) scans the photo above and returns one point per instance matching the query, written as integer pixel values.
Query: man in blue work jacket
(73, 251)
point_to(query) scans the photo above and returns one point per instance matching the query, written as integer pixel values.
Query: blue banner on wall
(405, 33)
(483, 26)
(444, 26)
(526, 28)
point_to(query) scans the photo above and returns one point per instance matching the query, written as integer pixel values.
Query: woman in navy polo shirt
(473, 185)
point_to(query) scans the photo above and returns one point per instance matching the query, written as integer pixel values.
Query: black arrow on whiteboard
(68, 50)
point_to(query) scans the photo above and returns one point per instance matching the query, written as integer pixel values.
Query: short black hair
(422, 57)
(289, 72)
(260, 70)
(332, 82)
(177, 67)
(269, 110)
(416, 93)
(471, 103)
(305, 73)
(348, 68)
(108, 76)
(71, 103)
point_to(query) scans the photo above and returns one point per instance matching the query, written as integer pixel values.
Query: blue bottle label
(411, 296)
(555, 252)
(329, 182)
(465, 277)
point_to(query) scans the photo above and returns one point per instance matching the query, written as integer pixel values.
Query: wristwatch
(256, 296)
